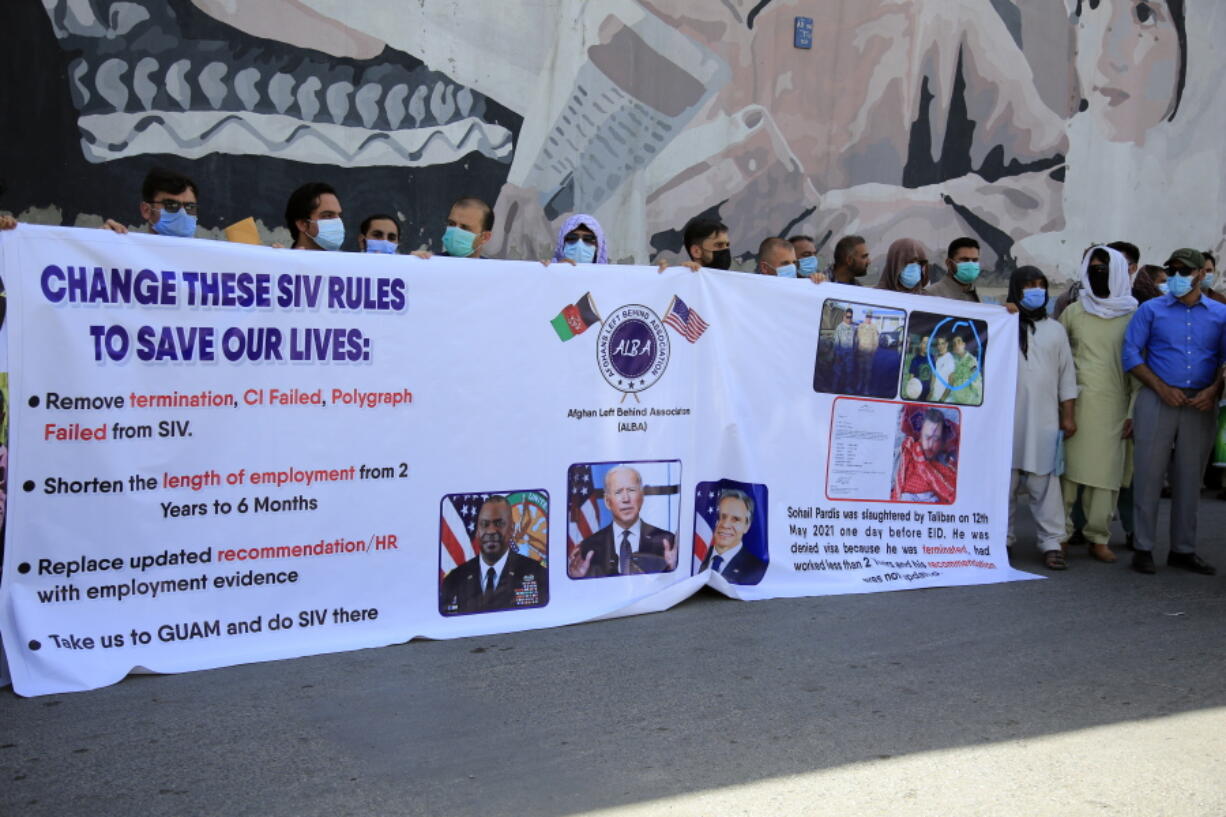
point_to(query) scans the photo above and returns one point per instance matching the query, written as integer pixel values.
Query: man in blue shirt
(1175, 345)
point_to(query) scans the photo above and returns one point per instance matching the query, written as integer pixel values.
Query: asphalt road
(1098, 692)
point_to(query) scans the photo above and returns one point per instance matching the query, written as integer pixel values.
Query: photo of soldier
(493, 552)
(858, 349)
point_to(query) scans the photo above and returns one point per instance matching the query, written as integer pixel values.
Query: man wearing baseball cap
(1176, 346)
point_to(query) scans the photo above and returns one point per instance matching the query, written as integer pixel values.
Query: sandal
(1054, 560)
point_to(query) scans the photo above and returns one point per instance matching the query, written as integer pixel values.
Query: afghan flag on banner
(576, 318)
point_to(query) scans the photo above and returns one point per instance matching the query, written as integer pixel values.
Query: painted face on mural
(1129, 60)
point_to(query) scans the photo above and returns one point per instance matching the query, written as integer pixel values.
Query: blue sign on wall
(803, 37)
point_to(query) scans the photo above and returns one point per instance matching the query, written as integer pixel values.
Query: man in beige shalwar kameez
(1095, 462)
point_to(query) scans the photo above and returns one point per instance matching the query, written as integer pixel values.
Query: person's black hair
(302, 202)
(1100, 256)
(845, 246)
(961, 243)
(1209, 256)
(937, 417)
(1130, 251)
(1181, 31)
(487, 214)
(796, 238)
(1020, 280)
(698, 230)
(161, 180)
(366, 222)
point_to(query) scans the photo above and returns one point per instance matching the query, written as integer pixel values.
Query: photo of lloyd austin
(498, 577)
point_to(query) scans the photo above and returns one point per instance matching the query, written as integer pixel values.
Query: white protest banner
(223, 453)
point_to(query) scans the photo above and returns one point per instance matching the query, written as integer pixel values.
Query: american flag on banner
(705, 498)
(583, 515)
(685, 320)
(456, 530)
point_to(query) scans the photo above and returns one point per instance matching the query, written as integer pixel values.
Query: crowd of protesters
(1119, 379)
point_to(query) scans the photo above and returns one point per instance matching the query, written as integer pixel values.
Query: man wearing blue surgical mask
(313, 215)
(962, 267)
(1176, 346)
(777, 256)
(379, 234)
(806, 255)
(168, 205)
(470, 223)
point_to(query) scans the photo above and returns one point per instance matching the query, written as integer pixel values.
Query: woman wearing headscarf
(1095, 459)
(581, 241)
(1044, 412)
(906, 267)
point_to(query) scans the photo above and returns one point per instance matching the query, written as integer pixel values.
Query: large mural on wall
(1038, 126)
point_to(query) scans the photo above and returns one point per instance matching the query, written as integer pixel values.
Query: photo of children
(944, 359)
(859, 349)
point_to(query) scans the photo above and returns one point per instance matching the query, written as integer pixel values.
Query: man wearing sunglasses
(168, 205)
(1176, 346)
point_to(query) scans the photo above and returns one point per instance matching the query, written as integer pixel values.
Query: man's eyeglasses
(172, 206)
(588, 238)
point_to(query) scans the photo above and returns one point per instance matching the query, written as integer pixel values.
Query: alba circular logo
(632, 351)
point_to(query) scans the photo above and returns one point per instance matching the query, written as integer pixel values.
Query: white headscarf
(1120, 301)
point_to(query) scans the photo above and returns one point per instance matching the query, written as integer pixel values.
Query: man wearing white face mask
(962, 266)
(168, 205)
(777, 256)
(313, 215)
